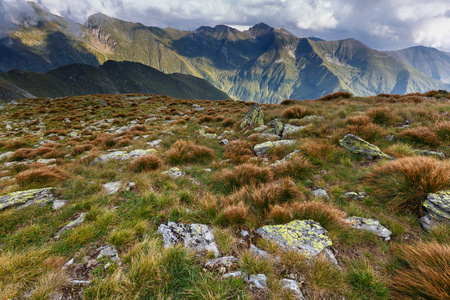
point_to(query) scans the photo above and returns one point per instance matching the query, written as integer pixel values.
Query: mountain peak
(260, 29)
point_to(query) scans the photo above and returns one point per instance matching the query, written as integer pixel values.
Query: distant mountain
(110, 78)
(430, 61)
(262, 64)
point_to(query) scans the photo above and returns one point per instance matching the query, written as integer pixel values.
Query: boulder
(197, 237)
(37, 197)
(290, 129)
(292, 285)
(359, 146)
(261, 149)
(370, 225)
(304, 236)
(436, 209)
(253, 117)
(276, 127)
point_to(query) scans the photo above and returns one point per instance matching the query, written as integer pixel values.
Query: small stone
(109, 251)
(354, 196)
(174, 172)
(259, 252)
(292, 285)
(154, 143)
(290, 129)
(71, 225)
(57, 204)
(359, 146)
(260, 128)
(112, 187)
(320, 193)
(263, 148)
(224, 142)
(370, 225)
(430, 153)
(236, 274)
(222, 264)
(259, 281)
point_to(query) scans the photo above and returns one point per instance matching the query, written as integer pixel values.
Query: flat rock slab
(121, 155)
(259, 280)
(197, 237)
(436, 209)
(370, 225)
(304, 236)
(37, 197)
(253, 117)
(71, 225)
(263, 148)
(112, 187)
(359, 146)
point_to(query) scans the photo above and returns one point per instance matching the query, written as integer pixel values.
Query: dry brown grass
(81, 148)
(420, 135)
(298, 167)
(422, 272)
(369, 132)
(297, 112)
(183, 152)
(238, 151)
(229, 180)
(381, 115)
(333, 96)
(105, 140)
(236, 213)
(405, 183)
(442, 130)
(41, 177)
(146, 163)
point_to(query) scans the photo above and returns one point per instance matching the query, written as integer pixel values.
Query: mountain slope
(110, 78)
(262, 64)
(430, 61)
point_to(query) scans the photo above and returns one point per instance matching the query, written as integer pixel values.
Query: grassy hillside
(112, 78)
(62, 143)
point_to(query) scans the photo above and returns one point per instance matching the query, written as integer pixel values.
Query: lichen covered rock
(174, 172)
(197, 237)
(290, 129)
(430, 153)
(436, 209)
(253, 117)
(112, 187)
(304, 236)
(370, 225)
(292, 285)
(222, 264)
(261, 149)
(276, 127)
(121, 155)
(359, 146)
(37, 197)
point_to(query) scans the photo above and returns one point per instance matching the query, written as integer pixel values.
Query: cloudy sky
(381, 24)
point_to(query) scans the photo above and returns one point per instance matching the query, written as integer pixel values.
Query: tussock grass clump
(369, 132)
(81, 148)
(381, 115)
(420, 135)
(327, 214)
(246, 174)
(205, 119)
(183, 152)
(229, 122)
(238, 151)
(405, 183)
(325, 280)
(15, 144)
(421, 271)
(146, 163)
(442, 130)
(298, 167)
(297, 112)
(366, 282)
(41, 177)
(337, 95)
(22, 154)
(362, 120)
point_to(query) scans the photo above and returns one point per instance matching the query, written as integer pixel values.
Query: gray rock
(38, 197)
(71, 225)
(112, 187)
(253, 117)
(276, 127)
(263, 148)
(259, 252)
(359, 146)
(354, 196)
(259, 281)
(320, 193)
(109, 251)
(154, 143)
(6, 155)
(292, 285)
(197, 237)
(269, 136)
(430, 153)
(436, 209)
(370, 225)
(224, 142)
(304, 236)
(260, 128)
(174, 172)
(290, 129)
(286, 158)
(236, 274)
(57, 204)
(222, 264)
(121, 155)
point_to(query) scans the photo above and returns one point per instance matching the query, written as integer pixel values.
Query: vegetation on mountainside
(55, 142)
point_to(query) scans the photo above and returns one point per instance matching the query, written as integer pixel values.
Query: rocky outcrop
(304, 236)
(436, 209)
(359, 146)
(197, 237)
(37, 197)
(370, 225)
(121, 155)
(263, 148)
(253, 117)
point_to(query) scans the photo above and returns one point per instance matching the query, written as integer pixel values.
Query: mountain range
(262, 64)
